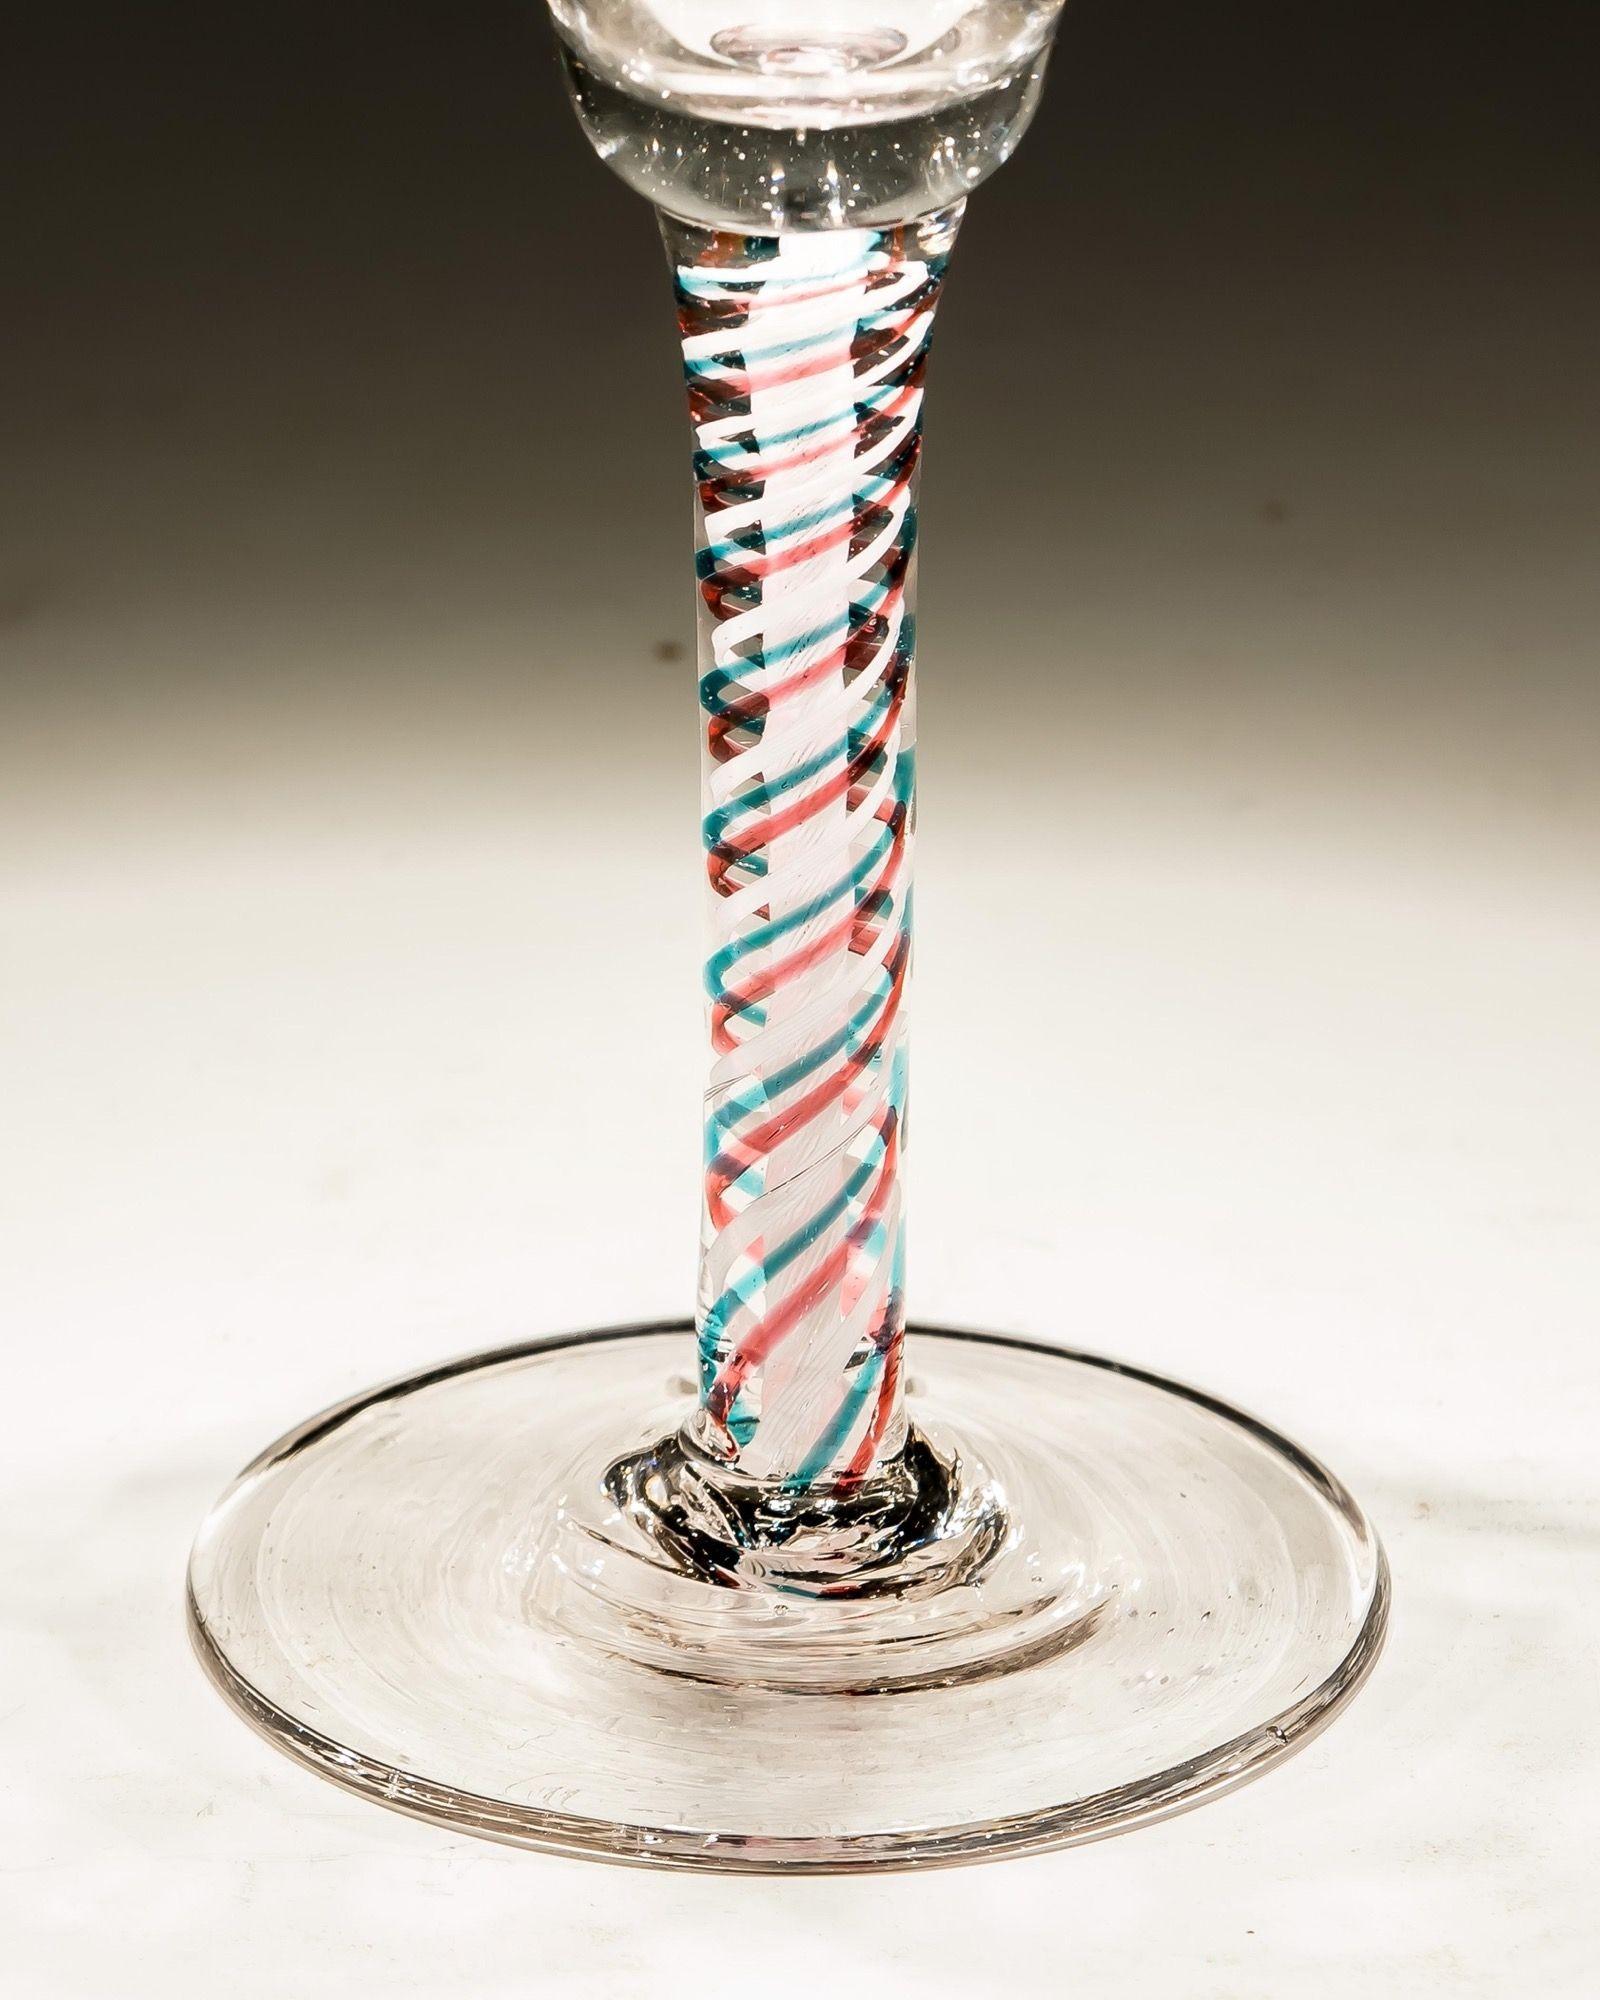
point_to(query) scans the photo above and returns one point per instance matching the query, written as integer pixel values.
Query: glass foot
(1083, 1597)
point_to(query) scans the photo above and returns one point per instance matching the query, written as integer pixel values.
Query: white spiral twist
(805, 355)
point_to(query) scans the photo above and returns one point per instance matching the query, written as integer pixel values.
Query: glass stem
(805, 356)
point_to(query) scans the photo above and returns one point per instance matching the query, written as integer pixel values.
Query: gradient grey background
(347, 521)
(350, 915)
(340, 388)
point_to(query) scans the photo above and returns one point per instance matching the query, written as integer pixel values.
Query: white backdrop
(321, 1062)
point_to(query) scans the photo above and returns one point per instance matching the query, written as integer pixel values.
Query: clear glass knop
(759, 114)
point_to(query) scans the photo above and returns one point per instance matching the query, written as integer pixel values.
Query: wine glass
(622, 1592)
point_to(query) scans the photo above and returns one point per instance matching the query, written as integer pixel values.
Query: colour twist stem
(805, 356)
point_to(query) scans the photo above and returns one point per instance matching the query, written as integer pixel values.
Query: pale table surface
(323, 1059)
